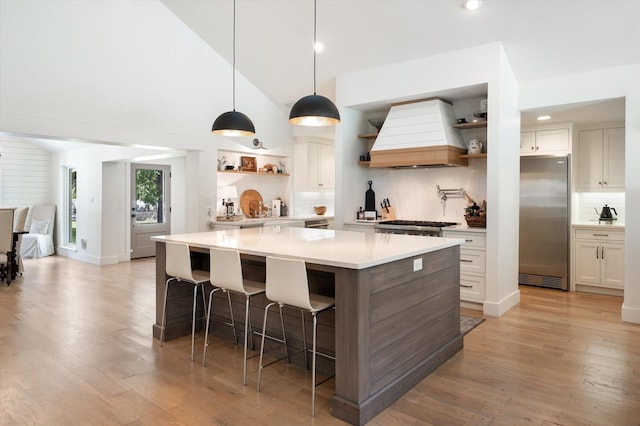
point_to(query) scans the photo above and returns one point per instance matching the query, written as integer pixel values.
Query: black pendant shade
(233, 123)
(314, 110)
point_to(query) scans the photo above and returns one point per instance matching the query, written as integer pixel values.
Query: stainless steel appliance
(412, 227)
(544, 222)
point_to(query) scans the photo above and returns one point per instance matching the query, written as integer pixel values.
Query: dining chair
(6, 243)
(287, 285)
(226, 275)
(178, 268)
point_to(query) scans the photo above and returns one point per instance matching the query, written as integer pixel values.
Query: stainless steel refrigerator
(544, 221)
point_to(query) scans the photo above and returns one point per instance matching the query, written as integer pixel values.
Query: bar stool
(178, 268)
(226, 275)
(287, 284)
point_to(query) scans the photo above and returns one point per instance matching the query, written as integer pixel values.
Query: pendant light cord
(315, 19)
(234, 55)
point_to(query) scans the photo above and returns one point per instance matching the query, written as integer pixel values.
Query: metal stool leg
(164, 311)
(246, 341)
(284, 335)
(206, 330)
(193, 320)
(233, 322)
(304, 341)
(264, 332)
(313, 368)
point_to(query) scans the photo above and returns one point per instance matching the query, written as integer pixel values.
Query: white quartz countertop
(272, 219)
(345, 249)
(617, 224)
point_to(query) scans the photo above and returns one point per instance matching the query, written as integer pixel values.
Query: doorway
(150, 207)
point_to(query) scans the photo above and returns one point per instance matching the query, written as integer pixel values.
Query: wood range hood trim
(432, 156)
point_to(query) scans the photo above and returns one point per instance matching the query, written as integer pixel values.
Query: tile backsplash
(305, 201)
(586, 204)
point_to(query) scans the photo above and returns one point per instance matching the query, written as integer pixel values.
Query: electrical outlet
(417, 264)
(208, 211)
(83, 244)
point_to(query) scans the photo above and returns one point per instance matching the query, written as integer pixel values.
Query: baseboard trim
(497, 309)
(630, 314)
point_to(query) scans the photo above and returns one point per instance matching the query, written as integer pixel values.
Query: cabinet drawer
(472, 288)
(471, 239)
(599, 234)
(472, 260)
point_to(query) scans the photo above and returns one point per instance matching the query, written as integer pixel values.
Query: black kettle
(605, 214)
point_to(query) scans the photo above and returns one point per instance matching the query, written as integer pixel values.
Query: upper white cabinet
(315, 166)
(601, 159)
(539, 142)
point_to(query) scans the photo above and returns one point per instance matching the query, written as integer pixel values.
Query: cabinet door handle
(466, 286)
(605, 182)
(468, 241)
(465, 260)
(599, 183)
(597, 253)
(600, 235)
(602, 253)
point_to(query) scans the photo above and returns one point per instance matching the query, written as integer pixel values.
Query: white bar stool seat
(178, 268)
(226, 275)
(287, 284)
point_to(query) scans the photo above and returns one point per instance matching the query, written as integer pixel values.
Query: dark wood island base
(393, 326)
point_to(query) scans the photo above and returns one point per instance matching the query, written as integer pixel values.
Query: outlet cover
(417, 264)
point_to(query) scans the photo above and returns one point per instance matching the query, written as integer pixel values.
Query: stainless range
(412, 227)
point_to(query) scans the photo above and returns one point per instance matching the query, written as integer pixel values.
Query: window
(70, 223)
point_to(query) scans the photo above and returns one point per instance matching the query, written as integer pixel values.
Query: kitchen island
(397, 313)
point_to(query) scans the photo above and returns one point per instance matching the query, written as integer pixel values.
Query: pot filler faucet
(445, 194)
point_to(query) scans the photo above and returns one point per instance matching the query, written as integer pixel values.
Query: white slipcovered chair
(40, 224)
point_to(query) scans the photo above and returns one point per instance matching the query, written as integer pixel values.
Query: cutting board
(250, 203)
(369, 199)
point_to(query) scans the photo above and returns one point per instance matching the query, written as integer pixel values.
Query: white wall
(125, 73)
(421, 78)
(25, 177)
(605, 84)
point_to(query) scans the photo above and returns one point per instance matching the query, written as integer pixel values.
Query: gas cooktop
(425, 223)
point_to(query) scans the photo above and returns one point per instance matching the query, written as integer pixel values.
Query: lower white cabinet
(472, 263)
(599, 257)
(369, 229)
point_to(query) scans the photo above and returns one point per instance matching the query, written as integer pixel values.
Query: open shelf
(363, 163)
(476, 125)
(253, 173)
(474, 155)
(368, 136)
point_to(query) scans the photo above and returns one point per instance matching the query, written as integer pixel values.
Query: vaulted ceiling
(541, 38)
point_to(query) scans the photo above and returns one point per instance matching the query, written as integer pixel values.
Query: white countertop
(345, 249)
(271, 219)
(617, 224)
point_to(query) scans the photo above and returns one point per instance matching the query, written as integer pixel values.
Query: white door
(612, 256)
(552, 141)
(527, 142)
(614, 158)
(150, 207)
(587, 262)
(590, 159)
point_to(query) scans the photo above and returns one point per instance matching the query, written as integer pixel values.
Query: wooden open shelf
(363, 163)
(368, 136)
(253, 173)
(476, 125)
(474, 155)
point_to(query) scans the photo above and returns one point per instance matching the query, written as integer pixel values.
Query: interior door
(150, 207)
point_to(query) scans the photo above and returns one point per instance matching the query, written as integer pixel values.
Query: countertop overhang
(344, 249)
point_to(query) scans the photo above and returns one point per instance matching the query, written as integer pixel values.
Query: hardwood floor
(76, 348)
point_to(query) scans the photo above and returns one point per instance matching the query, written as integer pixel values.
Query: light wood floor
(76, 348)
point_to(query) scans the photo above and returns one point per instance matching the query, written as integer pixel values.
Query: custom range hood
(419, 134)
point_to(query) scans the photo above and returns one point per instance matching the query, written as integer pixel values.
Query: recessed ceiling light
(544, 117)
(471, 4)
(319, 47)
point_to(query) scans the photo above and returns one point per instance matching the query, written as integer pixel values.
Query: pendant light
(314, 110)
(233, 123)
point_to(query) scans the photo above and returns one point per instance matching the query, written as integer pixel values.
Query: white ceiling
(541, 38)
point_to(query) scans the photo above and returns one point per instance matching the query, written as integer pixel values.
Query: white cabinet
(599, 257)
(315, 166)
(368, 229)
(601, 159)
(472, 264)
(554, 141)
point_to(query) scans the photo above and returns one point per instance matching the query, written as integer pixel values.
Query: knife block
(391, 215)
